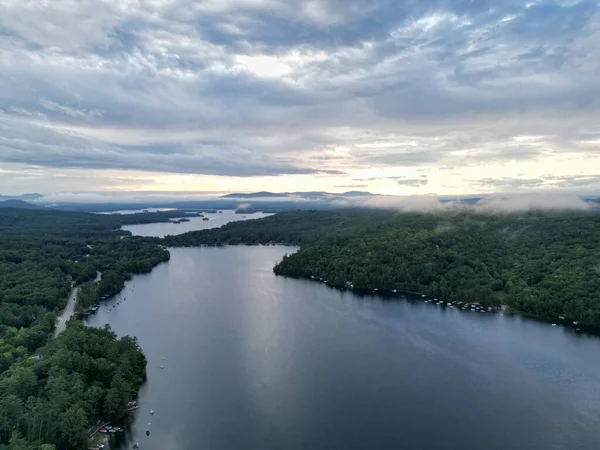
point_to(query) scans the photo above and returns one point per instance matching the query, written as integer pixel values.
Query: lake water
(215, 220)
(136, 211)
(255, 361)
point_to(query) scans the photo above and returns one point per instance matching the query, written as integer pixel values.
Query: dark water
(255, 361)
(196, 223)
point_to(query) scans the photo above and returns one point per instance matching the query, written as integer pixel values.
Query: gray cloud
(579, 182)
(413, 182)
(351, 186)
(245, 88)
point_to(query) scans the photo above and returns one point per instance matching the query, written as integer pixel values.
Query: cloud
(322, 88)
(351, 186)
(498, 203)
(529, 202)
(413, 182)
(561, 183)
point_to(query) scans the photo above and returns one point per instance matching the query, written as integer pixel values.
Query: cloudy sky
(399, 97)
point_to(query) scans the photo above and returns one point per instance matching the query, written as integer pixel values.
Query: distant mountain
(24, 197)
(304, 195)
(18, 204)
(262, 194)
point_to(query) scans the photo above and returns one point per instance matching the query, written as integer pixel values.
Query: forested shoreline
(51, 391)
(543, 263)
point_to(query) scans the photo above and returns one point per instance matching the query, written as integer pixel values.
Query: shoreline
(419, 296)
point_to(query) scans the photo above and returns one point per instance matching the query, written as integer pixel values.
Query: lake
(256, 361)
(215, 220)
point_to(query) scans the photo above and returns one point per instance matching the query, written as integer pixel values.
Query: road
(70, 308)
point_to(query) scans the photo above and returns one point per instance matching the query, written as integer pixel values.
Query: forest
(42, 255)
(52, 390)
(543, 263)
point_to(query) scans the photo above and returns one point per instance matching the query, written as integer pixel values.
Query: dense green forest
(292, 227)
(83, 376)
(42, 255)
(545, 263)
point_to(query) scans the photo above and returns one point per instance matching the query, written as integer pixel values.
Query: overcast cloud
(412, 97)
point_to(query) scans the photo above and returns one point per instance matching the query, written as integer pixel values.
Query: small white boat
(553, 324)
(394, 291)
(151, 411)
(575, 322)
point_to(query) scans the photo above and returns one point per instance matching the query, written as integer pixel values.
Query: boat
(151, 411)
(394, 291)
(205, 218)
(575, 322)
(103, 430)
(162, 367)
(553, 324)
(147, 432)
(136, 445)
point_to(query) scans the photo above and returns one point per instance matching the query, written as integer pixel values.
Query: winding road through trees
(70, 308)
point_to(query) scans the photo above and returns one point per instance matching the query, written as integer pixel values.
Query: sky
(413, 97)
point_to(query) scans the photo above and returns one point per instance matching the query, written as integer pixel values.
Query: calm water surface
(255, 361)
(196, 223)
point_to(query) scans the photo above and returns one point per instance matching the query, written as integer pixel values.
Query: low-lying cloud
(498, 203)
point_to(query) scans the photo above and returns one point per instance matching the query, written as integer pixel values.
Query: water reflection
(257, 361)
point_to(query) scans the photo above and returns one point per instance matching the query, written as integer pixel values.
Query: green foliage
(545, 263)
(292, 227)
(84, 375)
(42, 255)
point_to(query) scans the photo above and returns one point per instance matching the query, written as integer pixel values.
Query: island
(181, 220)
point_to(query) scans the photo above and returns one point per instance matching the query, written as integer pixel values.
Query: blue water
(255, 361)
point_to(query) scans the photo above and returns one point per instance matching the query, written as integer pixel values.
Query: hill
(543, 263)
(19, 204)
